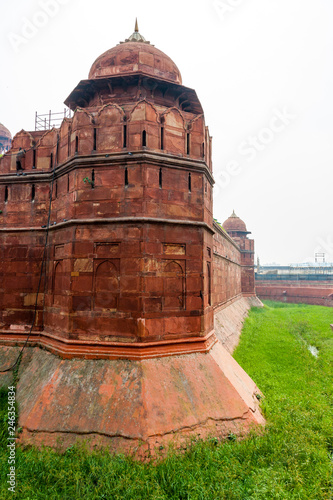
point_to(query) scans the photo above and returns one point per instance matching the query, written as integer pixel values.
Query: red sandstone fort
(132, 266)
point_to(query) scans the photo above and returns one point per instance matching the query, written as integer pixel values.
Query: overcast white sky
(261, 68)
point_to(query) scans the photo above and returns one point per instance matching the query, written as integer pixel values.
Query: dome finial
(136, 37)
(233, 214)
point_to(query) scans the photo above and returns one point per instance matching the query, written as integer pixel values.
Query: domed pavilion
(5, 139)
(133, 271)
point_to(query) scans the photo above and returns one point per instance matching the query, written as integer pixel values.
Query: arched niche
(106, 286)
(174, 136)
(82, 133)
(144, 126)
(144, 111)
(58, 283)
(110, 128)
(196, 129)
(173, 287)
(23, 140)
(46, 150)
(65, 139)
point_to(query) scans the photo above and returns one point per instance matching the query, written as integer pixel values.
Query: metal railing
(50, 120)
(294, 277)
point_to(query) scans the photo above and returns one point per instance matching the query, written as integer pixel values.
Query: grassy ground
(291, 459)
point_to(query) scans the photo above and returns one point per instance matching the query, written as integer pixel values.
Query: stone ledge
(134, 406)
(69, 349)
(112, 220)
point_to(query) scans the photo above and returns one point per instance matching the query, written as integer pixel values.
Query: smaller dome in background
(4, 132)
(234, 224)
(135, 55)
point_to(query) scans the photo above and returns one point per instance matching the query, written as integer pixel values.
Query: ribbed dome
(234, 223)
(135, 55)
(4, 132)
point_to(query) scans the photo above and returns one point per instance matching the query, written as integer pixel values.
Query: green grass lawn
(292, 458)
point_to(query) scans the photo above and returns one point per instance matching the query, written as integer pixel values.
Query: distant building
(309, 271)
(308, 283)
(5, 139)
(237, 230)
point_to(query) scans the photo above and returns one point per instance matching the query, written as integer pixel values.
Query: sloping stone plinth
(230, 318)
(133, 405)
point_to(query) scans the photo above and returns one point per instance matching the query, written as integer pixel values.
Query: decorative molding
(69, 349)
(113, 220)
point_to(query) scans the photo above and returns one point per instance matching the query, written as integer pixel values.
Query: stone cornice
(70, 348)
(96, 160)
(112, 220)
(85, 89)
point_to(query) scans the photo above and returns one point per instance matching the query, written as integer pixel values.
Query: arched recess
(174, 134)
(21, 151)
(5, 162)
(144, 118)
(46, 149)
(23, 140)
(144, 111)
(197, 131)
(110, 123)
(173, 287)
(208, 148)
(58, 283)
(65, 139)
(82, 133)
(106, 286)
(209, 283)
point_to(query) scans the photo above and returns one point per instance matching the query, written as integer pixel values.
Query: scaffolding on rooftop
(50, 120)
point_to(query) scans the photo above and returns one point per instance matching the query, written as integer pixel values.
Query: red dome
(234, 224)
(135, 56)
(4, 132)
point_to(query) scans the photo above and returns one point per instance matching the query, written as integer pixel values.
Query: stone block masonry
(135, 265)
(316, 293)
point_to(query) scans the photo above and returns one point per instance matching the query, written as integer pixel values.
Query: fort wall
(117, 204)
(315, 293)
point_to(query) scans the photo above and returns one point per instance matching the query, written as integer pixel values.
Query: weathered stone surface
(135, 264)
(121, 403)
(229, 321)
